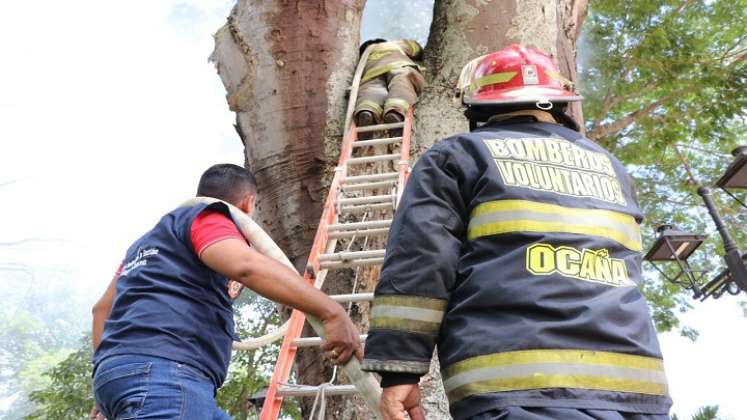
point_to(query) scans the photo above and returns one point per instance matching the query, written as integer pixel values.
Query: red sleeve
(210, 227)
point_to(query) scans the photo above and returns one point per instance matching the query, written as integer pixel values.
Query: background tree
(656, 74)
(35, 331)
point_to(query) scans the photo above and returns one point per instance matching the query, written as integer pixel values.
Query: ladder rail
(365, 382)
(324, 243)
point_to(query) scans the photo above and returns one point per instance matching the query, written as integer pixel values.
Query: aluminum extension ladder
(371, 194)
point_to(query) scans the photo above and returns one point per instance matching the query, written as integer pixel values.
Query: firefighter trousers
(550, 413)
(395, 90)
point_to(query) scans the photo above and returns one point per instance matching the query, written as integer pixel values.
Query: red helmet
(514, 75)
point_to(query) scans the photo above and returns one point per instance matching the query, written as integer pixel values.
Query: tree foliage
(250, 371)
(66, 389)
(660, 74)
(68, 393)
(35, 332)
(708, 412)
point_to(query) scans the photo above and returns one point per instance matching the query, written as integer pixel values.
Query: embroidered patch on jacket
(234, 289)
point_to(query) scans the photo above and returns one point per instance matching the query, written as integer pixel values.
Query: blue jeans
(146, 387)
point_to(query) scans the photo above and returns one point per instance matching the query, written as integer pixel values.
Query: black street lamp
(675, 245)
(736, 174)
(737, 272)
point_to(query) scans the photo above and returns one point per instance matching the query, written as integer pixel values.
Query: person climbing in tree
(391, 81)
(162, 331)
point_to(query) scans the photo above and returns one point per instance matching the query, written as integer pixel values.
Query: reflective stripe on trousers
(506, 216)
(535, 369)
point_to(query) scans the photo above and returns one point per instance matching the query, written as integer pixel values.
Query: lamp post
(674, 245)
(733, 256)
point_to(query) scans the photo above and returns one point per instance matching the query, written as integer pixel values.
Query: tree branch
(579, 9)
(610, 128)
(612, 101)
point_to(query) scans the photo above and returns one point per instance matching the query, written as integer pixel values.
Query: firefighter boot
(393, 116)
(364, 118)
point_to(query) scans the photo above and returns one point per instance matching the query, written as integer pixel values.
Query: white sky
(109, 112)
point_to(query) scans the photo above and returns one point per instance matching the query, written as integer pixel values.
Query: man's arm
(101, 311)
(234, 259)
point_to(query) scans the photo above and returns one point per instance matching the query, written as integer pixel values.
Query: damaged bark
(285, 65)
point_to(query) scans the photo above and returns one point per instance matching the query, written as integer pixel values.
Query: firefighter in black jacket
(516, 249)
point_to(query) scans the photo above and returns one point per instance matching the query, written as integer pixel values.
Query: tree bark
(462, 30)
(285, 65)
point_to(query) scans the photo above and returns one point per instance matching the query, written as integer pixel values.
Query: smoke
(412, 20)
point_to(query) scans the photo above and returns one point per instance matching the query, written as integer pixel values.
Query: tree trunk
(462, 30)
(285, 65)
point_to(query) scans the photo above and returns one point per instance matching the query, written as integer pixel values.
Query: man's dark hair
(226, 182)
(367, 43)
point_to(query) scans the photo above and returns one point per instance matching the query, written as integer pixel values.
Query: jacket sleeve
(419, 269)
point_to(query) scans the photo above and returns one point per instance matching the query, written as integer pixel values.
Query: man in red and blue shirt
(162, 331)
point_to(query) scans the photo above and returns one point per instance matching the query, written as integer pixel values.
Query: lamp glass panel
(736, 174)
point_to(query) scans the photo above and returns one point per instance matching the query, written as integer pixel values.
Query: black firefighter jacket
(516, 250)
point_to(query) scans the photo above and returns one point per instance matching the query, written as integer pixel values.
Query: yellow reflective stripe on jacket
(381, 51)
(493, 79)
(547, 368)
(379, 70)
(513, 216)
(408, 313)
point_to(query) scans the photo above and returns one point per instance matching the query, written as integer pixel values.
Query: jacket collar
(538, 115)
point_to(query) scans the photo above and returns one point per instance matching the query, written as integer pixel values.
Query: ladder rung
(370, 178)
(352, 255)
(353, 297)
(377, 127)
(315, 341)
(367, 200)
(374, 158)
(364, 262)
(362, 233)
(377, 142)
(360, 225)
(368, 185)
(367, 207)
(311, 391)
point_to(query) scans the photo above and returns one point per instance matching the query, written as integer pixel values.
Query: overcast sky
(109, 112)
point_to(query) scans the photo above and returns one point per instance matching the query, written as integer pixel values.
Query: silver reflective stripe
(590, 220)
(407, 312)
(565, 369)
